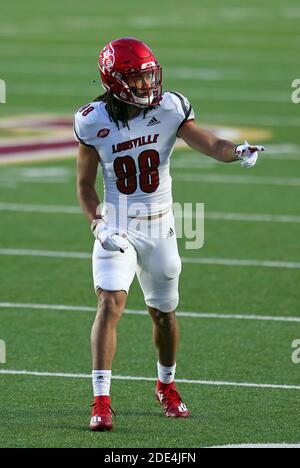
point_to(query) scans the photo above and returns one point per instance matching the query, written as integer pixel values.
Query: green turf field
(236, 63)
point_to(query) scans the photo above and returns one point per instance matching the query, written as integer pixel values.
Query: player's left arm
(207, 143)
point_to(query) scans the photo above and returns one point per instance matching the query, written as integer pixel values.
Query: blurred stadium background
(236, 63)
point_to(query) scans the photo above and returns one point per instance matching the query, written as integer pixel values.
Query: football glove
(111, 242)
(248, 154)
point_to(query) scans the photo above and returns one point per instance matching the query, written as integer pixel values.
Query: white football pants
(153, 256)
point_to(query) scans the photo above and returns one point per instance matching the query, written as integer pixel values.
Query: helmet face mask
(131, 72)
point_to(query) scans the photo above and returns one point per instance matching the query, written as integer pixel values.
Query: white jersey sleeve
(85, 123)
(183, 107)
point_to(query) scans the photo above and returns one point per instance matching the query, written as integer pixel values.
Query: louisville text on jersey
(135, 143)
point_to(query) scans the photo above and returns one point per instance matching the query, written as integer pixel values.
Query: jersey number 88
(126, 172)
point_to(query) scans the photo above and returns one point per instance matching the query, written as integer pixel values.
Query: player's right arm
(87, 167)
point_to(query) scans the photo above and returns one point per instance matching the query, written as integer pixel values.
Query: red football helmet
(130, 71)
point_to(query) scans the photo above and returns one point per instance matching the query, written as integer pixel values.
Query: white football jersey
(135, 161)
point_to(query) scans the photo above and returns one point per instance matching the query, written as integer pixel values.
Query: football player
(130, 131)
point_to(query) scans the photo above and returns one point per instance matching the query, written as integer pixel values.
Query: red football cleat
(170, 399)
(102, 414)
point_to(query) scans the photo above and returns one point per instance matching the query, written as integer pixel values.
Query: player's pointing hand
(248, 154)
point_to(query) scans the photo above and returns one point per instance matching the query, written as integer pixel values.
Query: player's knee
(165, 305)
(110, 307)
(171, 269)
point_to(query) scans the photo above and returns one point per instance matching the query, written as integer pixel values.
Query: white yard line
(238, 262)
(237, 179)
(45, 253)
(10, 181)
(184, 177)
(201, 315)
(255, 217)
(150, 379)
(213, 215)
(187, 260)
(50, 209)
(58, 307)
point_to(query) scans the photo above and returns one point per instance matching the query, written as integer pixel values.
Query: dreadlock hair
(117, 110)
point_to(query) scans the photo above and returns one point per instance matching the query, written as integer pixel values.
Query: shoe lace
(103, 408)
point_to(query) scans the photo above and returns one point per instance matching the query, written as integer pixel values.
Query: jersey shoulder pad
(177, 102)
(85, 118)
(172, 100)
(88, 114)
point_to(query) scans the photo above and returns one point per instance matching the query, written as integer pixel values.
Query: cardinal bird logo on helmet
(107, 58)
